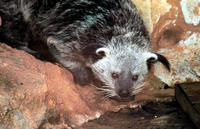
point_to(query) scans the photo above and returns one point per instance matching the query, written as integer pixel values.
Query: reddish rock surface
(174, 31)
(177, 37)
(37, 94)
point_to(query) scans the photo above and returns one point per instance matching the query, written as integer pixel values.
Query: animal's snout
(124, 93)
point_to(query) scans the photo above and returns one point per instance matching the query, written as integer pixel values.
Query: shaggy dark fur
(83, 35)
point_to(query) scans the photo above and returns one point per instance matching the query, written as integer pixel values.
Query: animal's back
(13, 28)
(92, 21)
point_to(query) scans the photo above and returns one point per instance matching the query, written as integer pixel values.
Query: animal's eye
(114, 75)
(135, 77)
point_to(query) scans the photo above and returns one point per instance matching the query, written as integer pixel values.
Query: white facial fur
(126, 61)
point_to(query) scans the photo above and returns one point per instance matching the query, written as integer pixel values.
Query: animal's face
(123, 73)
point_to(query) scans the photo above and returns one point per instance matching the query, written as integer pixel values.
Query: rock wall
(174, 31)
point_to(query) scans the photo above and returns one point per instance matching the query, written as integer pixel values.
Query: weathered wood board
(188, 96)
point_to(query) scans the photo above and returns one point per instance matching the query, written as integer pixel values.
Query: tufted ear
(164, 61)
(102, 52)
(95, 51)
(154, 57)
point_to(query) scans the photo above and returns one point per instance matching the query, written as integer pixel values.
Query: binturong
(105, 38)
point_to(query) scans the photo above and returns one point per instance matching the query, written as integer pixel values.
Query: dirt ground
(162, 115)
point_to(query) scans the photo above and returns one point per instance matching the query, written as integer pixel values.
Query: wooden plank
(189, 104)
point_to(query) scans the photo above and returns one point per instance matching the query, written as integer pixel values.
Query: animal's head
(123, 69)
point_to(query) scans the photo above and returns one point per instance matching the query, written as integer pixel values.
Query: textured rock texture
(174, 30)
(34, 93)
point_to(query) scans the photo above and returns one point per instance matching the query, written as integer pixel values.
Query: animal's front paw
(82, 76)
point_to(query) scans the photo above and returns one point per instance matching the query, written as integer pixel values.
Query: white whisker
(103, 89)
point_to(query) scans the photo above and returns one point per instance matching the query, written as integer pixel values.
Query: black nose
(123, 93)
